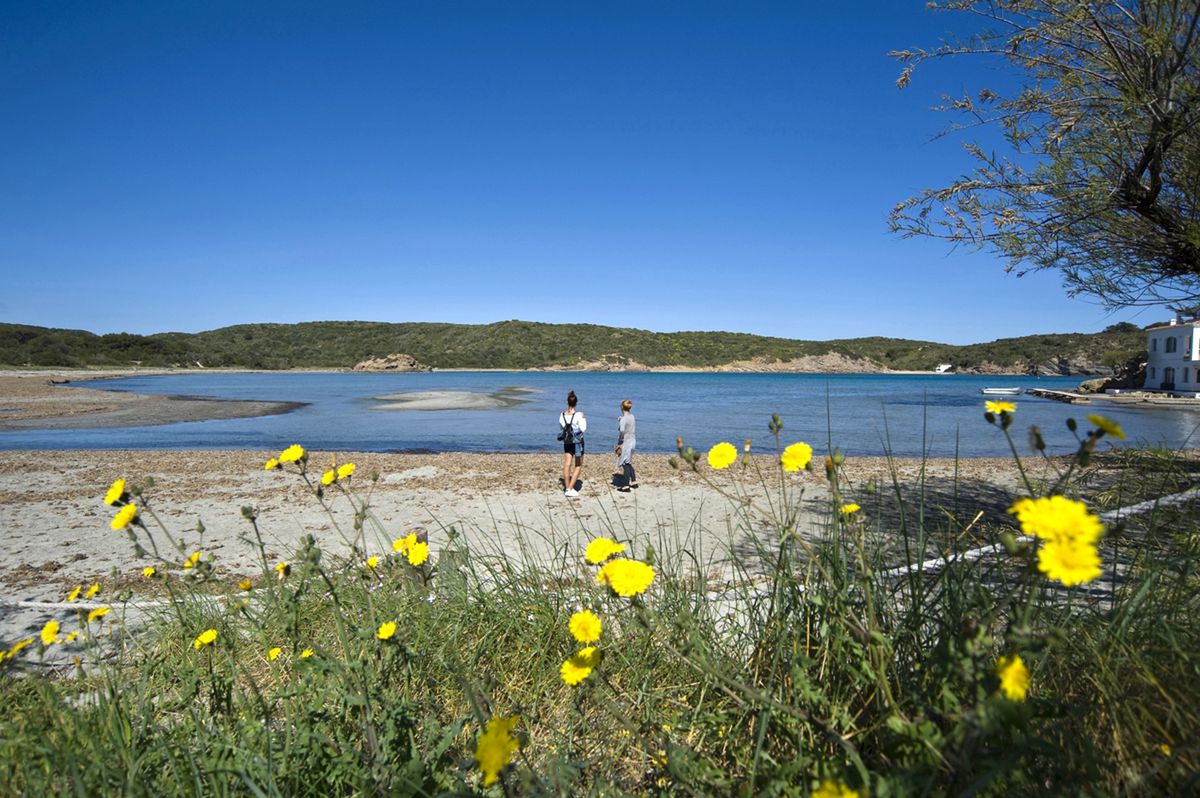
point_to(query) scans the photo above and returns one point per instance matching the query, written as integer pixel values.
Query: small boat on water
(1000, 391)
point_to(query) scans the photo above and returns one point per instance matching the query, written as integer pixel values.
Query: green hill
(523, 345)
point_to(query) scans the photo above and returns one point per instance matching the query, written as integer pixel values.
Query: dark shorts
(573, 448)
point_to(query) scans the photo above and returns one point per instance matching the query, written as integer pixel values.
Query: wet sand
(48, 400)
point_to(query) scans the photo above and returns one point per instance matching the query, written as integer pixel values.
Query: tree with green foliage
(1102, 181)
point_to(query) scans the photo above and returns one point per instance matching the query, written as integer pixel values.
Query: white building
(1174, 362)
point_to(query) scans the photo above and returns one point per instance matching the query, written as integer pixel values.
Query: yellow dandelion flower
(403, 544)
(834, 789)
(283, 569)
(74, 594)
(345, 471)
(1108, 426)
(273, 654)
(495, 748)
(271, 465)
(580, 666)
(1070, 561)
(373, 562)
(99, 612)
(93, 590)
(999, 407)
(585, 626)
(1014, 677)
(71, 637)
(1057, 518)
(796, 457)
(849, 508)
(50, 633)
(192, 560)
(601, 549)
(306, 653)
(386, 630)
(116, 493)
(328, 477)
(205, 638)
(124, 517)
(245, 584)
(626, 577)
(1164, 749)
(149, 571)
(292, 454)
(722, 455)
(20, 644)
(418, 553)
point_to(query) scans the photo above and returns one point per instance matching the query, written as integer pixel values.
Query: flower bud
(1010, 542)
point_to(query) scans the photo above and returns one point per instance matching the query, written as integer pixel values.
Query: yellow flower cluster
(580, 666)
(416, 551)
(601, 549)
(723, 455)
(124, 517)
(293, 454)
(796, 456)
(1107, 426)
(1067, 532)
(192, 561)
(834, 789)
(495, 747)
(205, 638)
(337, 474)
(626, 577)
(386, 630)
(1014, 677)
(116, 493)
(585, 626)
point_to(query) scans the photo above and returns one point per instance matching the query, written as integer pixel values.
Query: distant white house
(942, 368)
(1174, 357)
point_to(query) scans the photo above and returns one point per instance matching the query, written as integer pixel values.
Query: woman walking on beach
(573, 425)
(626, 441)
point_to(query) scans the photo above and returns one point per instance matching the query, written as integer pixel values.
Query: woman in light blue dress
(626, 441)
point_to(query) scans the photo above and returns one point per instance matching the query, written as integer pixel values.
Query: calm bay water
(862, 414)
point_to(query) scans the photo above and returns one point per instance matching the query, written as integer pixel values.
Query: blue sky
(668, 166)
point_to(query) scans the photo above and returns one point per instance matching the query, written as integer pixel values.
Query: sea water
(862, 414)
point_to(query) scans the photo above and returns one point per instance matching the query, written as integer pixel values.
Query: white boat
(1000, 391)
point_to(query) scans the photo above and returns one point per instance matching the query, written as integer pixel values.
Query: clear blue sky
(668, 166)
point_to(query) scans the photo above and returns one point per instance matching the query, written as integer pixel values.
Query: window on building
(1186, 375)
(1153, 344)
(1152, 373)
(1169, 347)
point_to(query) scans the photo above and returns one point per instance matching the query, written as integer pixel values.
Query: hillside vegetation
(524, 345)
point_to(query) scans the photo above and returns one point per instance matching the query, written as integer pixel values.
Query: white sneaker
(571, 493)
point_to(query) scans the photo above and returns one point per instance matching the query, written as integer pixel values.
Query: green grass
(815, 668)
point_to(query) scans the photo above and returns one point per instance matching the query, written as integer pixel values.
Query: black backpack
(570, 433)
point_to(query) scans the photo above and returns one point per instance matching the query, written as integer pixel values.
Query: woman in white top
(573, 425)
(626, 441)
